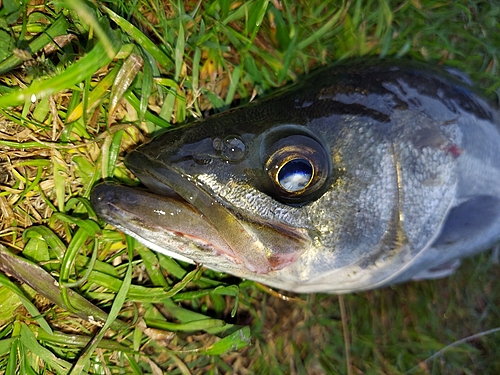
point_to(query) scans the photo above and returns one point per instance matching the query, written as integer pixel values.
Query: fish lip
(107, 199)
(103, 195)
(104, 201)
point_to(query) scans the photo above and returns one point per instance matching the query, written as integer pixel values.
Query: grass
(83, 82)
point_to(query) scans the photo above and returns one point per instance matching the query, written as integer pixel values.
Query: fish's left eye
(298, 168)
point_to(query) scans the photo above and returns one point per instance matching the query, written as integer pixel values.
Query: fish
(357, 177)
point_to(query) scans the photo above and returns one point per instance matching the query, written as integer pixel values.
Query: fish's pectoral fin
(469, 227)
(495, 254)
(438, 272)
(469, 221)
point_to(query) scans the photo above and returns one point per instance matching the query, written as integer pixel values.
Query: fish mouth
(182, 208)
(153, 218)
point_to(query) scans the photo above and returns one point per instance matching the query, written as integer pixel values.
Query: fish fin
(469, 220)
(438, 272)
(495, 254)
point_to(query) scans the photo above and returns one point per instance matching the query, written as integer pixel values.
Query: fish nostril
(130, 198)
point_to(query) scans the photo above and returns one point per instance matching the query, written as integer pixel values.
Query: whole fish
(355, 178)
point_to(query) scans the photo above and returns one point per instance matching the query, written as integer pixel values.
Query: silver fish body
(356, 178)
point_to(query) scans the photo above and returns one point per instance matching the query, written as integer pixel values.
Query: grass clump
(83, 82)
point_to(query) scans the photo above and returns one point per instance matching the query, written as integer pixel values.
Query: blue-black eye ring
(298, 168)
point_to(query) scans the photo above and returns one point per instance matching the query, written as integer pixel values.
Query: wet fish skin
(406, 169)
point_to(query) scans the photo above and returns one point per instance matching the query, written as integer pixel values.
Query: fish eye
(295, 175)
(297, 167)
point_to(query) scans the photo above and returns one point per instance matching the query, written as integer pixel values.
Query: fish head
(340, 184)
(243, 180)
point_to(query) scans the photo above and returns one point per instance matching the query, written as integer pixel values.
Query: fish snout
(105, 196)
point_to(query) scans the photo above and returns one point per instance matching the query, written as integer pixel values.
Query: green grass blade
(323, 29)
(205, 324)
(123, 80)
(81, 236)
(234, 342)
(109, 153)
(89, 15)
(150, 261)
(37, 250)
(6, 283)
(95, 96)
(78, 341)
(47, 235)
(147, 86)
(6, 346)
(58, 27)
(141, 39)
(28, 340)
(38, 279)
(81, 70)
(59, 172)
(113, 314)
(12, 360)
(90, 226)
(158, 121)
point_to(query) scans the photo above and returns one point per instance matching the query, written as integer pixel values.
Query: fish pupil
(295, 175)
